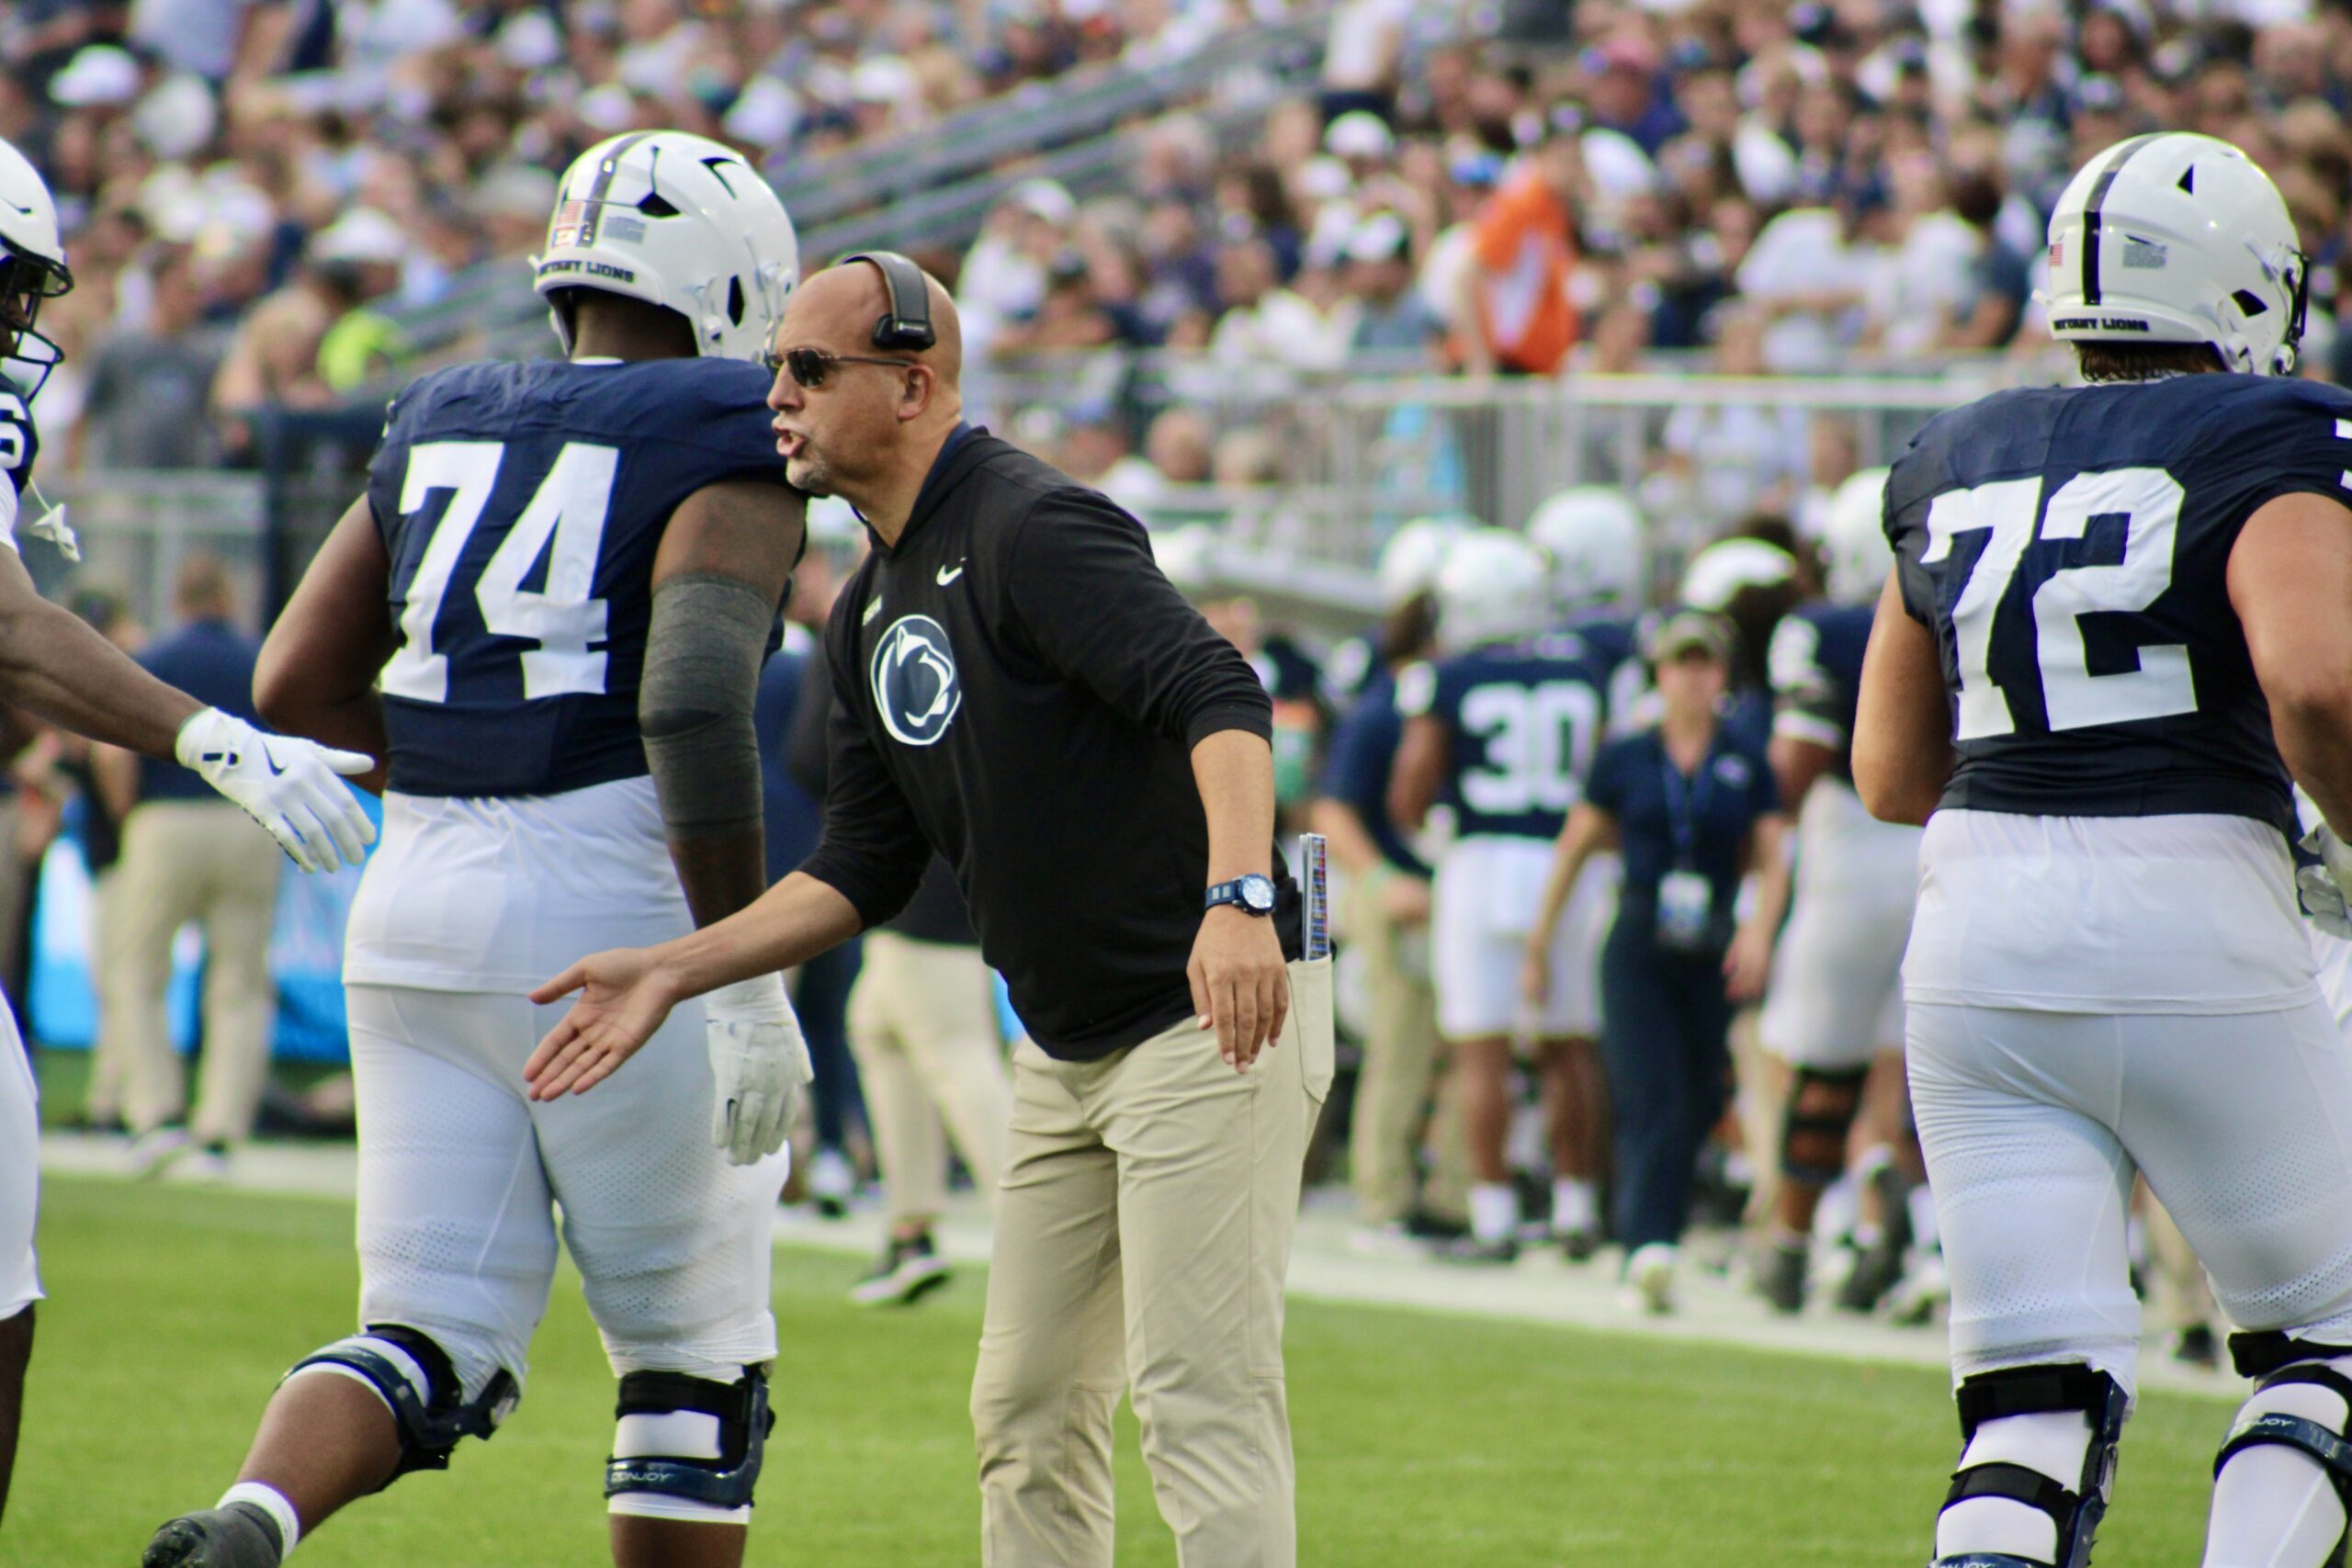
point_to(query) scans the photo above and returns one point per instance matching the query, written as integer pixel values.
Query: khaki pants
(205, 862)
(922, 1026)
(1143, 1233)
(1403, 1068)
(107, 1073)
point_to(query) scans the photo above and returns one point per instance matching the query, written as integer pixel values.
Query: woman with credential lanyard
(1692, 809)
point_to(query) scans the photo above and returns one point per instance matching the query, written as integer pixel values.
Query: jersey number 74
(568, 508)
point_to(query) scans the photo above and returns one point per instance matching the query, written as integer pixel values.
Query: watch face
(1258, 893)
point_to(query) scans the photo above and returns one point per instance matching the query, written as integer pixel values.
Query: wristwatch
(1251, 894)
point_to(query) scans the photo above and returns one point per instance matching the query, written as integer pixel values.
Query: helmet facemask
(27, 356)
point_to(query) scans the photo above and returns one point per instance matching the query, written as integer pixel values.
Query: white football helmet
(1716, 574)
(1490, 588)
(1594, 535)
(1855, 539)
(32, 268)
(2178, 238)
(1409, 560)
(678, 221)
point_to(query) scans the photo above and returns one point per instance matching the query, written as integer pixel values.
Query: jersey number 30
(568, 508)
(1538, 743)
(2071, 696)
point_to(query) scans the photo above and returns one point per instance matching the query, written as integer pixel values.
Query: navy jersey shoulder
(2069, 548)
(1816, 663)
(1524, 719)
(522, 505)
(20, 444)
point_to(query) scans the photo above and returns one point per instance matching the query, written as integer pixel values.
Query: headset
(906, 325)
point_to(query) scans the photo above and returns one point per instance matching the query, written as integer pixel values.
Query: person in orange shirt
(1519, 318)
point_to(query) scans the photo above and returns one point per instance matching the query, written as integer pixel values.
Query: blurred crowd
(1773, 187)
(252, 189)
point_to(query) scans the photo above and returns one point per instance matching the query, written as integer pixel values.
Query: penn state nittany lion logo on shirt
(913, 675)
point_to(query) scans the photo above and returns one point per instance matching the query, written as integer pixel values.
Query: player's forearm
(785, 927)
(2315, 742)
(1574, 846)
(354, 723)
(721, 872)
(55, 664)
(1235, 772)
(1768, 854)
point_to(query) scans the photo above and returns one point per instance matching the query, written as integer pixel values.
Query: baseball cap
(1679, 631)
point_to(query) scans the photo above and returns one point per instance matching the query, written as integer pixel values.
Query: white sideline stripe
(1540, 1289)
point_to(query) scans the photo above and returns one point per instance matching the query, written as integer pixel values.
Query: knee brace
(1996, 1467)
(2275, 1417)
(413, 1378)
(660, 1413)
(1821, 1111)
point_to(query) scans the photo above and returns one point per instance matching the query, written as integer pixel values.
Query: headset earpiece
(906, 325)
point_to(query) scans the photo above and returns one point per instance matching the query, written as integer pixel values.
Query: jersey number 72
(568, 508)
(1999, 519)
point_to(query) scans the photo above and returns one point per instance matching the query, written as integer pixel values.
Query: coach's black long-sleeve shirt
(1020, 689)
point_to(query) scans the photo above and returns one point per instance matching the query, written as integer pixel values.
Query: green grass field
(1424, 1441)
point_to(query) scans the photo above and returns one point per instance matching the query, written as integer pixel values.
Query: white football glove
(759, 1061)
(289, 786)
(2321, 886)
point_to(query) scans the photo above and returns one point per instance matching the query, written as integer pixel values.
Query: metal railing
(1358, 455)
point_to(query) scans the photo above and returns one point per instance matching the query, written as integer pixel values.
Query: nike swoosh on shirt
(943, 577)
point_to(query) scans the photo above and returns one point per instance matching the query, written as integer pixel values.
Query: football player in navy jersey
(1835, 1003)
(1502, 731)
(547, 614)
(53, 665)
(2116, 626)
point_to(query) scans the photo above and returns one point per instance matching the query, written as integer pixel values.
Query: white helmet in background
(32, 268)
(1717, 573)
(678, 221)
(2178, 238)
(1491, 588)
(1409, 560)
(1855, 539)
(1593, 535)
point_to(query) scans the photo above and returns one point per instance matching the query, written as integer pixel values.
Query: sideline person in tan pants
(1402, 1096)
(182, 861)
(922, 1026)
(188, 855)
(1119, 1264)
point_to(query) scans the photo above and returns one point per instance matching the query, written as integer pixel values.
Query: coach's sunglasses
(809, 367)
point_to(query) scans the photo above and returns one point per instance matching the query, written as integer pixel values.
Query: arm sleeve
(1097, 609)
(694, 703)
(873, 852)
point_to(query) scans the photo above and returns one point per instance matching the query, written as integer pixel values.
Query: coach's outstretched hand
(624, 998)
(289, 786)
